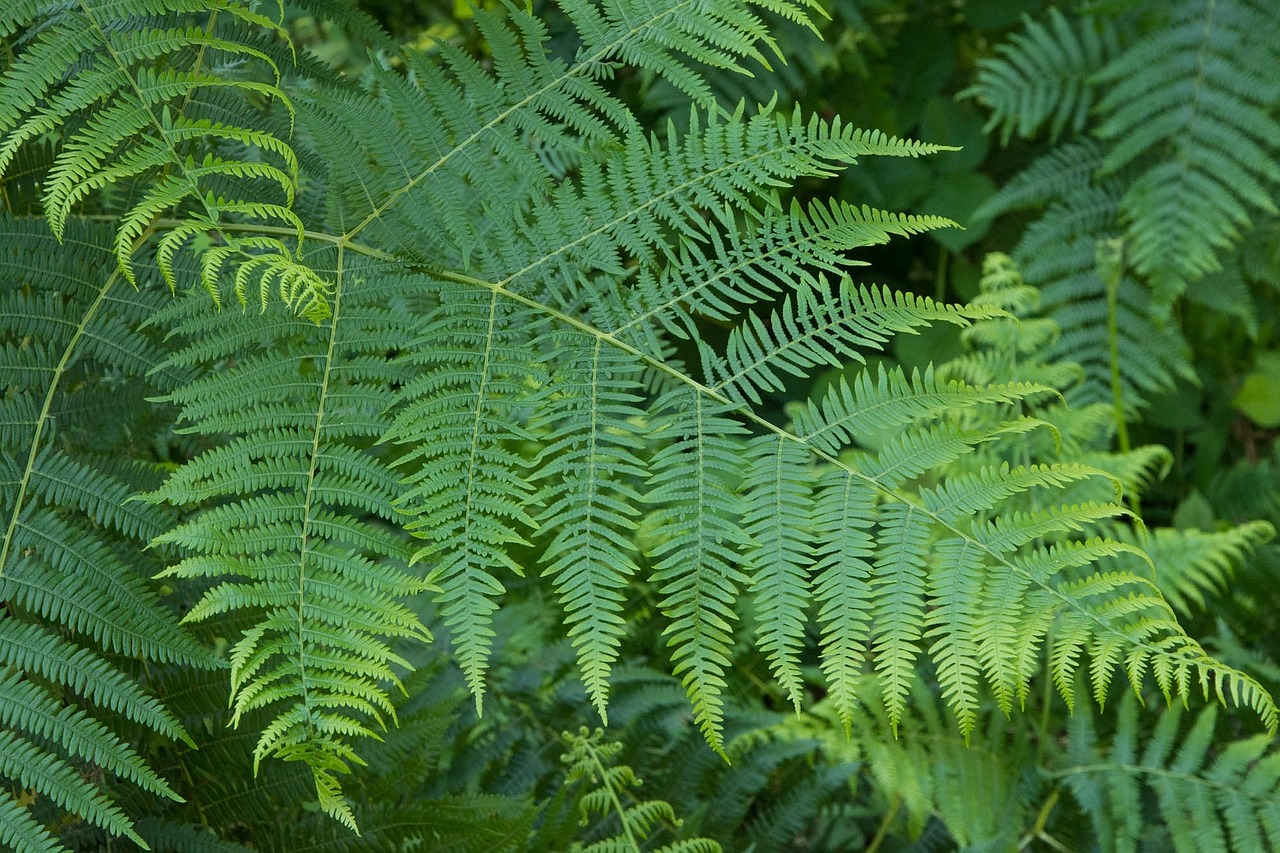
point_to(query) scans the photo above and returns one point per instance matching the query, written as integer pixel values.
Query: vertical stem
(1111, 268)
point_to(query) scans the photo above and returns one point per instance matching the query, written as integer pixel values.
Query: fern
(293, 528)
(130, 88)
(1180, 165)
(487, 366)
(1189, 93)
(1206, 800)
(1045, 75)
(590, 759)
(74, 598)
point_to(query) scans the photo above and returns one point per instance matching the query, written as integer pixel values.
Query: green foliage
(1220, 799)
(1181, 164)
(527, 348)
(590, 760)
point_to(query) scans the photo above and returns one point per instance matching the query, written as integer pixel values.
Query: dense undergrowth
(559, 427)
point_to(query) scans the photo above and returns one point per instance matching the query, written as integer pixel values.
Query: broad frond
(294, 529)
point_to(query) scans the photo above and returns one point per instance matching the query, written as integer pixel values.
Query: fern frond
(1189, 93)
(889, 401)
(697, 561)
(898, 601)
(590, 759)
(1207, 799)
(1195, 566)
(295, 529)
(124, 77)
(674, 200)
(667, 38)
(817, 328)
(843, 516)
(72, 581)
(1045, 75)
(465, 483)
(779, 505)
(592, 501)
(1060, 255)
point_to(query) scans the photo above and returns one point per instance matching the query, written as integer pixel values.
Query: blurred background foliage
(1187, 401)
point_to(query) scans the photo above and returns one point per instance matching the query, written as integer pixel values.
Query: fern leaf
(898, 601)
(663, 38)
(777, 512)
(591, 454)
(1195, 566)
(843, 516)
(297, 526)
(1206, 799)
(128, 84)
(815, 329)
(888, 401)
(697, 562)
(591, 759)
(1059, 254)
(69, 563)
(1044, 75)
(466, 488)
(1189, 93)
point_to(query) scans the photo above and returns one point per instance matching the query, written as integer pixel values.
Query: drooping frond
(297, 521)
(1206, 797)
(593, 498)
(779, 506)
(699, 555)
(1045, 75)
(1189, 103)
(466, 485)
(73, 584)
(121, 80)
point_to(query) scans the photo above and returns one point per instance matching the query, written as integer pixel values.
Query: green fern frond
(295, 521)
(125, 79)
(1190, 94)
(1194, 566)
(591, 759)
(666, 39)
(1205, 799)
(466, 486)
(779, 505)
(816, 329)
(697, 562)
(844, 512)
(70, 574)
(592, 501)
(1060, 254)
(1045, 74)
